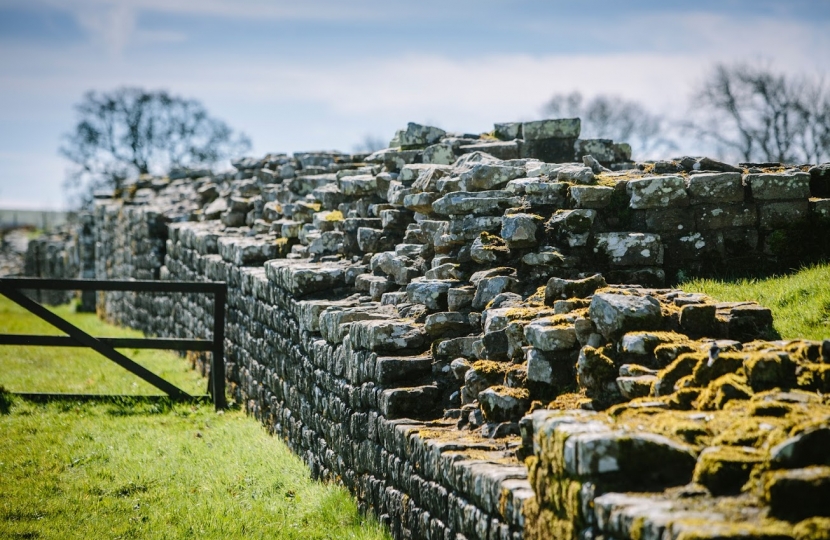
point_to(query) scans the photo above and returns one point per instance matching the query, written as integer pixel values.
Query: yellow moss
(518, 393)
(636, 530)
(489, 367)
(815, 377)
(725, 363)
(567, 402)
(816, 528)
(334, 215)
(704, 529)
(527, 313)
(537, 298)
(667, 378)
(722, 390)
(724, 470)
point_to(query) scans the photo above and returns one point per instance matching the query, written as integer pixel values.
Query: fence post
(217, 368)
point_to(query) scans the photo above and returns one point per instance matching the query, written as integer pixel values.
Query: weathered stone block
(784, 214)
(591, 196)
(502, 150)
(711, 217)
(765, 187)
(657, 192)
(669, 221)
(630, 249)
(508, 131)
(799, 493)
(546, 335)
(408, 402)
(717, 188)
(388, 335)
(603, 150)
(501, 404)
(519, 230)
(418, 135)
(615, 314)
(393, 369)
(562, 289)
(478, 203)
(564, 128)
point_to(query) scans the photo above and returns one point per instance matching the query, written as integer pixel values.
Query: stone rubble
(472, 333)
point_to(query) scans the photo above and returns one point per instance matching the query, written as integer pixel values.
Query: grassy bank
(79, 370)
(800, 302)
(125, 469)
(159, 472)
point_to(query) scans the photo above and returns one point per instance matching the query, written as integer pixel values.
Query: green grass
(800, 302)
(80, 370)
(96, 470)
(133, 469)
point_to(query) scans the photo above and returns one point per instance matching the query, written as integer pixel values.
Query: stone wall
(68, 252)
(396, 316)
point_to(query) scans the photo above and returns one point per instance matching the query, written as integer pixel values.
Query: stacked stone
(394, 316)
(333, 377)
(51, 255)
(130, 243)
(13, 246)
(753, 465)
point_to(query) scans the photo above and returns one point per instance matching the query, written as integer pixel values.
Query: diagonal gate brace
(93, 343)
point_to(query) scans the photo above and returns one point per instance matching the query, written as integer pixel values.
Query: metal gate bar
(10, 287)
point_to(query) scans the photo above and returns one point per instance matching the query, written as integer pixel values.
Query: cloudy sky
(324, 74)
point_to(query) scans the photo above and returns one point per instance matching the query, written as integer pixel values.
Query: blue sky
(323, 74)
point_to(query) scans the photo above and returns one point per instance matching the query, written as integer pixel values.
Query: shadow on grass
(5, 401)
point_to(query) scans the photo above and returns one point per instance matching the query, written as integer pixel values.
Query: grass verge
(80, 370)
(800, 302)
(133, 469)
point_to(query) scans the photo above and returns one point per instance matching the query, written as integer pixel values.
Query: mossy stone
(722, 390)
(817, 528)
(724, 470)
(798, 494)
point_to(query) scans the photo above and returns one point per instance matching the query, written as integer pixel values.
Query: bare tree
(612, 117)
(755, 114)
(132, 131)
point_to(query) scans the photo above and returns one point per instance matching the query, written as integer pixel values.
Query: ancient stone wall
(396, 316)
(68, 252)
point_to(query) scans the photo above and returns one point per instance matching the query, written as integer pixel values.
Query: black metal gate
(11, 288)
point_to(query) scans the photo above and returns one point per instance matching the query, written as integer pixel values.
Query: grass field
(800, 302)
(125, 469)
(79, 370)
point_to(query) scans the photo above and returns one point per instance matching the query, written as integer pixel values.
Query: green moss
(669, 352)
(722, 390)
(769, 370)
(683, 399)
(724, 470)
(668, 377)
(723, 364)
